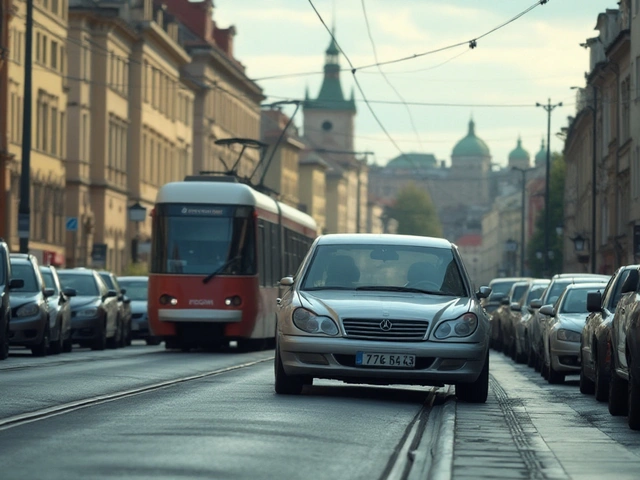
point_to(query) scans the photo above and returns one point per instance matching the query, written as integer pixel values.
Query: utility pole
(523, 171)
(24, 209)
(594, 111)
(547, 227)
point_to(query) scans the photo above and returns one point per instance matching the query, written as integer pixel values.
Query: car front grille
(385, 329)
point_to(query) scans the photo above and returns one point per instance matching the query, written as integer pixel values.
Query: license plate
(389, 360)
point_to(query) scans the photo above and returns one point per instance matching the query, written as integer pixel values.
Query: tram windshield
(200, 239)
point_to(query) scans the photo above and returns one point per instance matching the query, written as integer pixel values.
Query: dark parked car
(94, 309)
(595, 343)
(137, 289)
(29, 325)
(6, 284)
(124, 309)
(59, 312)
(501, 321)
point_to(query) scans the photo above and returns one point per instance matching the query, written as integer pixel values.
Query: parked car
(564, 330)
(537, 324)
(94, 309)
(499, 288)
(383, 309)
(7, 283)
(521, 313)
(137, 290)
(595, 342)
(59, 312)
(501, 320)
(123, 336)
(29, 325)
(624, 384)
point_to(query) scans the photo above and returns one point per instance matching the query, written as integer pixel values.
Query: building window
(635, 173)
(54, 55)
(54, 131)
(626, 115)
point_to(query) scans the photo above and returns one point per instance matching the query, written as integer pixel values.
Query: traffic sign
(72, 224)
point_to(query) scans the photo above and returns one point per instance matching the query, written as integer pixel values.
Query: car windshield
(47, 276)
(558, 287)
(535, 293)
(106, 278)
(376, 267)
(84, 285)
(518, 292)
(25, 272)
(575, 301)
(136, 289)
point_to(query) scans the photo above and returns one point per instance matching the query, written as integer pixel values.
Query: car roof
(134, 278)
(21, 258)
(576, 275)
(577, 286)
(382, 239)
(584, 278)
(77, 271)
(508, 279)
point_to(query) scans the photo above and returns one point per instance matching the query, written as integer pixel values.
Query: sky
(531, 60)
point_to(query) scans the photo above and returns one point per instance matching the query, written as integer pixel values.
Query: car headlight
(460, 327)
(88, 312)
(27, 310)
(568, 335)
(309, 322)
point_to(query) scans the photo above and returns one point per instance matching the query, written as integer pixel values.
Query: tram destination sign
(197, 211)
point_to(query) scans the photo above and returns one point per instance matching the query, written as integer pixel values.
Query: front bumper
(27, 331)
(85, 328)
(565, 356)
(437, 364)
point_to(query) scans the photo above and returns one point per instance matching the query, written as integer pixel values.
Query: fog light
(168, 300)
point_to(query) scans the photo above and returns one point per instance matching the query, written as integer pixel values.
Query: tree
(556, 217)
(415, 213)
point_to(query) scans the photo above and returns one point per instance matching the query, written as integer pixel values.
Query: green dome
(541, 156)
(471, 146)
(519, 153)
(413, 161)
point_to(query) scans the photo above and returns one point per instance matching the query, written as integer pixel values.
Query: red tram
(219, 250)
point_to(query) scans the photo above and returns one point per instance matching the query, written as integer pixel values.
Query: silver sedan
(383, 309)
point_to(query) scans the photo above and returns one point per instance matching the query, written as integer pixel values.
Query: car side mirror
(594, 302)
(123, 291)
(505, 301)
(70, 292)
(111, 293)
(537, 303)
(515, 306)
(126, 300)
(547, 310)
(484, 292)
(49, 292)
(631, 282)
(16, 283)
(286, 281)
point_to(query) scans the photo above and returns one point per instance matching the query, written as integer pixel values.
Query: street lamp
(523, 171)
(548, 108)
(137, 214)
(579, 243)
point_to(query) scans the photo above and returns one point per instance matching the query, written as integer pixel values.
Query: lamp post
(523, 171)
(547, 223)
(137, 214)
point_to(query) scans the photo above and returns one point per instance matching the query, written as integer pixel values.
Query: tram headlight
(235, 301)
(168, 300)
(309, 322)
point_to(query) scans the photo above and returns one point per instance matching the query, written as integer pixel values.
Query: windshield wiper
(391, 288)
(221, 268)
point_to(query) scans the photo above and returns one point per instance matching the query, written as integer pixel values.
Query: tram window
(266, 260)
(275, 256)
(261, 252)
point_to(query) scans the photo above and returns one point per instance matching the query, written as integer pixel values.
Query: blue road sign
(72, 224)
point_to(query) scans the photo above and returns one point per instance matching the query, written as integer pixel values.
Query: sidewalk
(528, 429)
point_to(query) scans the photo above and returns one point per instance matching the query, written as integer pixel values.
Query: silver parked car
(383, 309)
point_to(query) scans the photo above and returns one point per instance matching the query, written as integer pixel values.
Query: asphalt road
(226, 425)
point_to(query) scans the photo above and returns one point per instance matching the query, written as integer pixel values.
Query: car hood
(409, 306)
(84, 301)
(572, 321)
(138, 306)
(18, 299)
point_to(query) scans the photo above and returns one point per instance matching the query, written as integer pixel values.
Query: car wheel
(67, 345)
(531, 358)
(618, 395)
(116, 340)
(633, 401)
(4, 343)
(55, 347)
(100, 343)
(587, 387)
(601, 380)
(171, 343)
(286, 384)
(553, 376)
(478, 391)
(42, 348)
(153, 341)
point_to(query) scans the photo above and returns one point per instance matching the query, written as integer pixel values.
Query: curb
(441, 467)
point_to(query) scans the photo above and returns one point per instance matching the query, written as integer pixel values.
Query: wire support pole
(593, 180)
(523, 172)
(549, 107)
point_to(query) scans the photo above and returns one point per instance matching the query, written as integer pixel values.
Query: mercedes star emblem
(385, 325)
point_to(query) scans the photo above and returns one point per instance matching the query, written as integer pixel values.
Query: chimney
(224, 39)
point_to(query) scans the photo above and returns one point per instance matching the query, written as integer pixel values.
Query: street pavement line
(401, 461)
(24, 418)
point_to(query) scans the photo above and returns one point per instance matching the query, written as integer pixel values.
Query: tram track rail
(49, 412)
